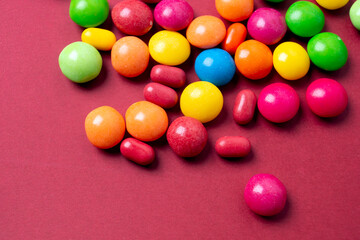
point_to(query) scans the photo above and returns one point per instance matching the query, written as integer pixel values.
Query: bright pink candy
(160, 95)
(267, 25)
(232, 146)
(278, 102)
(244, 107)
(265, 195)
(137, 151)
(173, 15)
(187, 136)
(326, 97)
(170, 76)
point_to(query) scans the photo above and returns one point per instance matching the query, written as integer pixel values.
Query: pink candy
(170, 76)
(137, 151)
(244, 107)
(160, 95)
(232, 146)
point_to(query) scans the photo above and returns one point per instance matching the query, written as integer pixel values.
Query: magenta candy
(267, 25)
(170, 76)
(244, 107)
(160, 95)
(326, 97)
(278, 102)
(137, 151)
(232, 146)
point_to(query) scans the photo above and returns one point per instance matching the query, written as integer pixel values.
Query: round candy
(101, 39)
(244, 107)
(80, 62)
(170, 76)
(355, 14)
(202, 101)
(235, 10)
(305, 19)
(173, 15)
(332, 4)
(206, 32)
(291, 60)
(265, 195)
(132, 17)
(137, 151)
(146, 121)
(253, 59)
(278, 102)
(89, 13)
(169, 48)
(232, 147)
(130, 56)
(327, 51)
(104, 127)
(326, 97)
(235, 35)
(215, 66)
(267, 25)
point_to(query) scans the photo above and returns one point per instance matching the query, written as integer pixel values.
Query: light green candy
(355, 14)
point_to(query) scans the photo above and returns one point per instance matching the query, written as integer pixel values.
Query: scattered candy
(235, 10)
(89, 13)
(137, 151)
(170, 76)
(101, 39)
(244, 107)
(235, 35)
(160, 95)
(355, 14)
(332, 4)
(232, 147)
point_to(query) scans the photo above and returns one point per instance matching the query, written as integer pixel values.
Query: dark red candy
(232, 146)
(244, 107)
(160, 95)
(170, 76)
(137, 151)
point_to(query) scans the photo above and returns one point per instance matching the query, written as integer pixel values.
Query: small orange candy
(235, 10)
(104, 127)
(235, 34)
(253, 59)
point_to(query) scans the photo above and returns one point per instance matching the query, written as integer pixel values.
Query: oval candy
(244, 107)
(160, 95)
(232, 146)
(137, 151)
(99, 38)
(170, 76)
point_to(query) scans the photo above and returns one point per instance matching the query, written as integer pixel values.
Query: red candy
(235, 34)
(232, 146)
(170, 76)
(244, 108)
(160, 95)
(137, 151)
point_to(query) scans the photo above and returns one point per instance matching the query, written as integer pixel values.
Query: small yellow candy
(101, 39)
(332, 4)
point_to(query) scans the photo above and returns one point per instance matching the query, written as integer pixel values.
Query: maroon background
(55, 185)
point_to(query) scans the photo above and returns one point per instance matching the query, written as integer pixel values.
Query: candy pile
(202, 101)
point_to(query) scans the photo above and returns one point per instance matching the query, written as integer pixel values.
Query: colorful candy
(332, 4)
(137, 151)
(355, 14)
(235, 35)
(170, 76)
(244, 107)
(101, 39)
(160, 95)
(89, 13)
(232, 147)
(235, 10)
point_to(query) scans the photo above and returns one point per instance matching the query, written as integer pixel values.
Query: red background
(55, 185)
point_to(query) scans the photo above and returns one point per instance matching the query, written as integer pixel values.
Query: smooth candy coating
(187, 136)
(173, 15)
(206, 32)
(232, 147)
(169, 48)
(265, 195)
(278, 102)
(104, 127)
(332, 4)
(235, 10)
(202, 101)
(170, 76)
(160, 95)
(244, 107)
(130, 56)
(80, 62)
(146, 121)
(267, 25)
(137, 151)
(327, 51)
(101, 39)
(254, 59)
(132, 17)
(326, 97)
(89, 13)
(235, 35)
(355, 14)
(216, 66)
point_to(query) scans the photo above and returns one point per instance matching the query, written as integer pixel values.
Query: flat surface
(56, 185)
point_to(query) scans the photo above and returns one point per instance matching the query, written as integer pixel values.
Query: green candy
(80, 62)
(355, 14)
(89, 13)
(305, 19)
(327, 51)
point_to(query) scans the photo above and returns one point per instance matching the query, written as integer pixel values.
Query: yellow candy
(332, 4)
(169, 48)
(101, 39)
(201, 100)
(291, 60)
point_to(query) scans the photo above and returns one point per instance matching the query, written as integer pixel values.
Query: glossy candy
(326, 97)
(101, 39)
(187, 136)
(137, 151)
(244, 107)
(89, 13)
(232, 146)
(170, 76)
(216, 66)
(235, 35)
(160, 95)
(355, 14)
(332, 4)
(235, 10)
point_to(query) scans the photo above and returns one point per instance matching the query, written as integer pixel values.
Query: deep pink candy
(160, 95)
(137, 151)
(170, 76)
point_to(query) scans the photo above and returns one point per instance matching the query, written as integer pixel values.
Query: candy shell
(355, 14)
(232, 147)
(160, 95)
(332, 4)
(170, 76)
(137, 151)
(244, 106)
(235, 35)
(235, 10)
(89, 13)
(101, 39)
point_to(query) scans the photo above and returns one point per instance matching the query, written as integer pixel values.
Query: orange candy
(235, 34)
(104, 127)
(146, 121)
(130, 56)
(206, 32)
(253, 59)
(235, 10)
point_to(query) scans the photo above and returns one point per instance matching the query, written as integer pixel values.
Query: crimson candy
(244, 107)
(232, 146)
(137, 151)
(160, 95)
(170, 76)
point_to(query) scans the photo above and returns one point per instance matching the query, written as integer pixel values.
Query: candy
(267, 25)
(232, 146)
(132, 17)
(137, 151)
(291, 60)
(104, 127)
(130, 56)
(265, 195)
(244, 107)
(332, 4)
(254, 59)
(235, 34)
(160, 95)
(169, 48)
(170, 76)
(206, 32)
(173, 15)
(146, 121)
(355, 14)
(235, 10)
(202, 101)
(80, 62)
(326, 97)
(278, 102)
(187, 136)
(101, 39)
(327, 51)
(89, 13)
(215, 66)
(305, 19)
